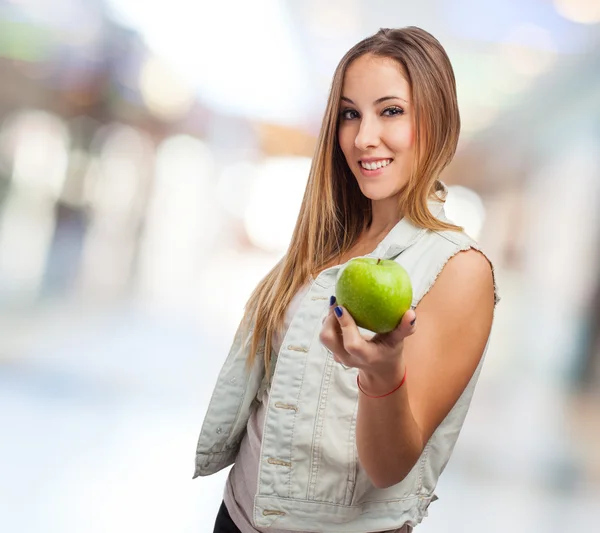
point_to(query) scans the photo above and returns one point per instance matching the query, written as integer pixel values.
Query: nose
(368, 135)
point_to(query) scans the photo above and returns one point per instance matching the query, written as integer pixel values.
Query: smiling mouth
(374, 165)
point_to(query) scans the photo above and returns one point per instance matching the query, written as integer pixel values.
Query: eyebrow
(378, 101)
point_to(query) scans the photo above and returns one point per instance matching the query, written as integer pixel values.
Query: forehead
(371, 76)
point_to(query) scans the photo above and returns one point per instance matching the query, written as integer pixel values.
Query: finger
(354, 343)
(331, 335)
(331, 319)
(408, 324)
(331, 338)
(330, 313)
(406, 327)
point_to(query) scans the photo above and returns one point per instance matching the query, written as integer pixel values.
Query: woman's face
(376, 132)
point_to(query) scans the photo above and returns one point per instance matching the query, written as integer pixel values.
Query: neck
(386, 214)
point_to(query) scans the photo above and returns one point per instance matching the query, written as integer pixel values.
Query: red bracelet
(383, 395)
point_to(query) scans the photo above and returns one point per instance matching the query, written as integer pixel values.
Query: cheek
(410, 138)
(346, 141)
(403, 139)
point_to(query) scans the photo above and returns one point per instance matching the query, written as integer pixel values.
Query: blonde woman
(332, 430)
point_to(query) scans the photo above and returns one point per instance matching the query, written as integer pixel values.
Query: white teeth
(376, 164)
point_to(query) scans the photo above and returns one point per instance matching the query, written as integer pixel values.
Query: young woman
(332, 430)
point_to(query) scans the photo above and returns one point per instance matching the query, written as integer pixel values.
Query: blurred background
(152, 162)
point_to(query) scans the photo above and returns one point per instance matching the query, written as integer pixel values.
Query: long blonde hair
(334, 212)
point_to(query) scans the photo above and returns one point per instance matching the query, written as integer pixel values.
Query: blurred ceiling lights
(276, 195)
(488, 83)
(164, 93)
(241, 57)
(529, 50)
(35, 143)
(581, 11)
(181, 223)
(465, 207)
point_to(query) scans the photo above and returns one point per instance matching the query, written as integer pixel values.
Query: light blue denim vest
(310, 478)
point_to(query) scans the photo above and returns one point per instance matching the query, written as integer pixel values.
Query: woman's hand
(380, 355)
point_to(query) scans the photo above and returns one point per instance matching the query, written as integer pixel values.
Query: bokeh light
(276, 196)
(581, 11)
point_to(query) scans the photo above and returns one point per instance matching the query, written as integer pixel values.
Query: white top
(241, 485)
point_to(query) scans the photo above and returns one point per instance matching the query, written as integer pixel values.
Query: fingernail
(413, 321)
(338, 311)
(331, 301)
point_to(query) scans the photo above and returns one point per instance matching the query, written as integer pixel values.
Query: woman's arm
(440, 352)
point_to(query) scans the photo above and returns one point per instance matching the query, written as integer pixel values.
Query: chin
(377, 192)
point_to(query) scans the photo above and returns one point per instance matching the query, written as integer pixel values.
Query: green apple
(376, 292)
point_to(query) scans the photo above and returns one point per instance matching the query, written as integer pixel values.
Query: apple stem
(379, 260)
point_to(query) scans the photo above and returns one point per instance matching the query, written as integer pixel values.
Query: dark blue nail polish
(331, 301)
(338, 311)
(413, 321)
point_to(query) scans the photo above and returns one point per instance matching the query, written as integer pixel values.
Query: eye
(393, 111)
(348, 114)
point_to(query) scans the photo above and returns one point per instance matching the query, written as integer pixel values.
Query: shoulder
(469, 268)
(466, 281)
(448, 255)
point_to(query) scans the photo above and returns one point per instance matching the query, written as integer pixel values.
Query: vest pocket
(353, 464)
(333, 449)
